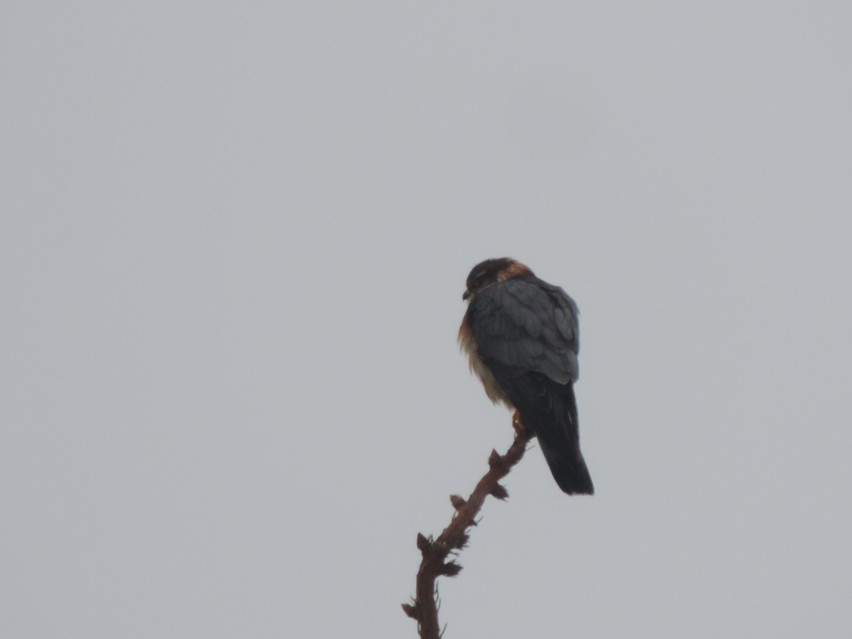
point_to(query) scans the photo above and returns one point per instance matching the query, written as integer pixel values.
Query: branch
(424, 608)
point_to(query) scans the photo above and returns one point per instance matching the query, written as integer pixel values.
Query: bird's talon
(518, 424)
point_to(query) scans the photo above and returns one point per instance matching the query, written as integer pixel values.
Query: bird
(521, 336)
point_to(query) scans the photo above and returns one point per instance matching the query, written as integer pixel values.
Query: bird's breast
(467, 343)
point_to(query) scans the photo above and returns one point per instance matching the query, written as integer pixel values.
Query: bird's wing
(525, 326)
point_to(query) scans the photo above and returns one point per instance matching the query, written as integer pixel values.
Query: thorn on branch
(410, 610)
(494, 459)
(499, 491)
(457, 501)
(423, 544)
(451, 569)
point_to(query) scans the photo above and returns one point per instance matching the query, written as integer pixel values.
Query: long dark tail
(559, 438)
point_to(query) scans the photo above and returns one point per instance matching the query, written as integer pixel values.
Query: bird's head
(492, 271)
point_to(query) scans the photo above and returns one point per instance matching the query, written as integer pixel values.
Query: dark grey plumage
(522, 335)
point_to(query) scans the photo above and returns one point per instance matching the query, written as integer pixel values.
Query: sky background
(233, 242)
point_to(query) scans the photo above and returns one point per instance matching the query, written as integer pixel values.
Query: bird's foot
(521, 429)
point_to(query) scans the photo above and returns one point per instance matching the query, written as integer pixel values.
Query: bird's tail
(560, 442)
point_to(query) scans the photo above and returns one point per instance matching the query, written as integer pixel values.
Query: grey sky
(234, 239)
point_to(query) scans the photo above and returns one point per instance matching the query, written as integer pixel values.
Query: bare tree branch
(424, 607)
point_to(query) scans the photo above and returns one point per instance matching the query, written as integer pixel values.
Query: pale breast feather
(468, 345)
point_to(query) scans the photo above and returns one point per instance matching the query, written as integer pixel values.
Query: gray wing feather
(527, 326)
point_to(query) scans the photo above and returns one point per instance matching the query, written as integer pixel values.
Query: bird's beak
(465, 295)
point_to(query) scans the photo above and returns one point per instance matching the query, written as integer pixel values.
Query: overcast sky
(233, 241)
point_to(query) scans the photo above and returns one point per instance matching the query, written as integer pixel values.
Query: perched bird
(522, 337)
